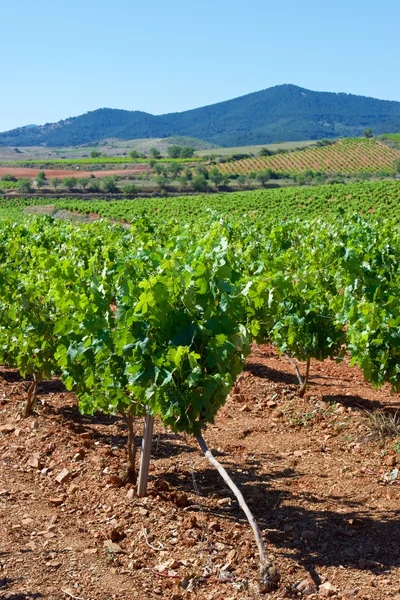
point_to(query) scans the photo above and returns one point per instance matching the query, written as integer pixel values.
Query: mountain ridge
(280, 113)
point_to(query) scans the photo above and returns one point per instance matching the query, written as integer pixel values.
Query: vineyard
(348, 156)
(379, 198)
(156, 322)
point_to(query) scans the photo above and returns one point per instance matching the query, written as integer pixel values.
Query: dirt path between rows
(309, 468)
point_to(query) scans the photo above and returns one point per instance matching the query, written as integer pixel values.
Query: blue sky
(61, 59)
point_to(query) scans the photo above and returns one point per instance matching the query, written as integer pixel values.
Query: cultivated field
(348, 156)
(261, 325)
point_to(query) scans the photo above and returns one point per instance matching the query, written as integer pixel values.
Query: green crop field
(381, 198)
(159, 317)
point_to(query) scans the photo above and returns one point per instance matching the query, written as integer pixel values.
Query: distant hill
(281, 113)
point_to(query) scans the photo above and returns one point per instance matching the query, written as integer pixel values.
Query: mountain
(281, 113)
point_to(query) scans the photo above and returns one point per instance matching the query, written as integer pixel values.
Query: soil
(52, 173)
(311, 470)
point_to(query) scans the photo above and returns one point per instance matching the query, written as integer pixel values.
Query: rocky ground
(322, 484)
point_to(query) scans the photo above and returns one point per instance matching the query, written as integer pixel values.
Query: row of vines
(378, 198)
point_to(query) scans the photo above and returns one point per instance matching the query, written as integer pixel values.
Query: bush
(24, 186)
(8, 177)
(130, 189)
(199, 183)
(94, 186)
(69, 182)
(266, 152)
(109, 185)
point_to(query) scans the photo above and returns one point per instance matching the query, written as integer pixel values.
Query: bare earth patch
(52, 173)
(309, 469)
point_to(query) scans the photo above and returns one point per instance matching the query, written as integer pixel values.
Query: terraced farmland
(349, 156)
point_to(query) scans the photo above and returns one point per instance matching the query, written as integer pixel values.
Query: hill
(281, 113)
(348, 156)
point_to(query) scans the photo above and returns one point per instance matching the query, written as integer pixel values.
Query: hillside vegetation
(281, 113)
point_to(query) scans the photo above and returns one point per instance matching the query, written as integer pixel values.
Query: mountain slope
(280, 113)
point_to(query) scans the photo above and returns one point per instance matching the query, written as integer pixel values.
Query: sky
(62, 59)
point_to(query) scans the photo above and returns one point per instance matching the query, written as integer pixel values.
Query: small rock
(143, 512)
(244, 408)
(306, 587)
(231, 556)
(238, 398)
(63, 476)
(271, 404)
(34, 462)
(130, 494)
(115, 481)
(372, 564)
(57, 500)
(277, 414)
(349, 593)
(184, 582)
(112, 547)
(224, 502)
(73, 488)
(215, 526)
(90, 551)
(326, 590)
(391, 461)
(8, 428)
(54, 563)
(117, 535)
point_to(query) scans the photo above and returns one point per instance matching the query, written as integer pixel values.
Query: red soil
(309, 468)
(51, 173)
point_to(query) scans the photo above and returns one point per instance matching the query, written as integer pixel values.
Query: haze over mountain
(280, 113)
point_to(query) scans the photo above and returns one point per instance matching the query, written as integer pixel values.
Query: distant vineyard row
(346, 156)
(381, 198)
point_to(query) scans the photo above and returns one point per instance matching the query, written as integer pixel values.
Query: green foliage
(264, 176)
(94, 186)
(159, 318)
(24, 185)
(95, 154)
(55, 182)
(155, 153)
(130, 189)
(69, 182)
(83, 182)
(174, 151)
(199, 183)
(109, 185)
